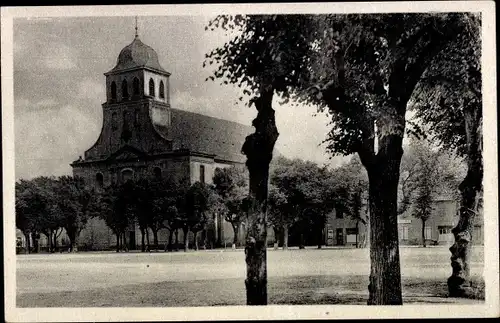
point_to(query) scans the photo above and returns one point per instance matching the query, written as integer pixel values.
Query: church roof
(204, 134)
(137, 54)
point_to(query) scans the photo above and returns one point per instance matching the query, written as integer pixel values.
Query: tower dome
(137, 54)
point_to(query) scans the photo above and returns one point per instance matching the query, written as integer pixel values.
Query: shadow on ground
(296, 290)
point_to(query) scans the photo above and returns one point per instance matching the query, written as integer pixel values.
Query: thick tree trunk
(301, 241)
(285, 237)
(423, 234)
(186, 240)
(236, 229)
(117, 242)
(258, 148)
(471, 191)
(385, 274)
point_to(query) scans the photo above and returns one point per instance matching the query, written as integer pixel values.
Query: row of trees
(47, 205)
(301, 193)
(366, 71)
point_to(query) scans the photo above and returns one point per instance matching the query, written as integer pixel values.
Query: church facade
(144, 136)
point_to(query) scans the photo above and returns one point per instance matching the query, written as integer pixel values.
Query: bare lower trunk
(117, 242)
(125, 246)
(471, 191)
(357, 233)
(385, 274)
(236, 230)
(155, 239)
(285, 237)
(170, 239)
(28, 242)
(177, 240)
(186, 240)
(423, 234)
(258, 148)
(301, 241)
(195, 240)
(143, 238)
(148, 245)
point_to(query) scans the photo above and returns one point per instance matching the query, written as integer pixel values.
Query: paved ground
(216, 277)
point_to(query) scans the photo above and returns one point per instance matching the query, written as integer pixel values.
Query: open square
(203, 278)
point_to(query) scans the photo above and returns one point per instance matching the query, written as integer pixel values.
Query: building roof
(204, 134)
(137, 54)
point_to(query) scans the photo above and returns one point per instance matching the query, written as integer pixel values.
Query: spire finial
(136, 34)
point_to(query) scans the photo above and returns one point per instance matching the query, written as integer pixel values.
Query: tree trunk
(170, 239)
(301, 241)
(125, 246)
(155, 238)
(320, 237)
(357, 233)
(185, 230)
(148, 245)
(471, 191)
(143, 237)
(117, 242)
(236, 229)
(72, 239)
(423, 234)
(385, 274)
(258, 148)
(27, 247)
(176, 239)
(195, 233)
(285, 237)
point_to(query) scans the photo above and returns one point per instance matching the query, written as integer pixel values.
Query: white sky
(59, 86)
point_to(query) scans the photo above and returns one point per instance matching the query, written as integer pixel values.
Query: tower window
(162, 90)
(157, 173)
(113, 90)
(99, 180)
(136, 86)
(124, 89)
(202, 174)
(151, 87)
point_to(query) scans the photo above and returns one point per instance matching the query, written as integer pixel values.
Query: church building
(144, 136)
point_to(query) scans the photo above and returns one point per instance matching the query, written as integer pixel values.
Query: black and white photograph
(278, 161)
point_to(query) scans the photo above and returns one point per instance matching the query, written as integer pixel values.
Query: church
(144, 136)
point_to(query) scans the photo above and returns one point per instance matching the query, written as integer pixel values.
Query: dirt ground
(310, 276)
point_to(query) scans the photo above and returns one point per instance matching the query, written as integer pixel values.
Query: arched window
(127, 174)
(157, 172)
(99, 180)
(113, 90)
(162, 90)
(151, 87)
(136, 86)
(124, 89)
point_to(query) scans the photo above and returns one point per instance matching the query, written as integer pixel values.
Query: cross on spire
(136, 34)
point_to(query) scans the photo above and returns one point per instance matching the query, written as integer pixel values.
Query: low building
(342, 230)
